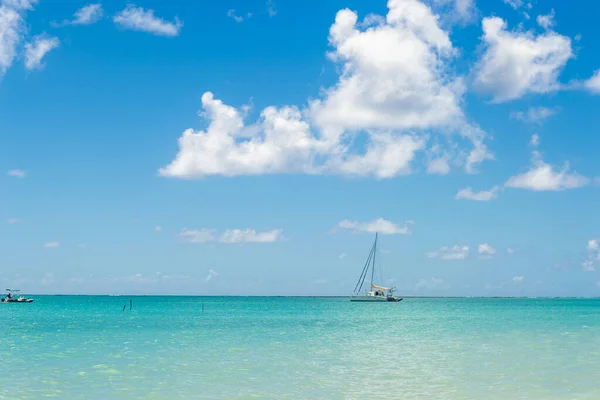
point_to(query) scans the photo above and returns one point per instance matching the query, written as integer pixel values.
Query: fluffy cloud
(378, 225)
(394, 73)
(516, 63)
(231, 236)
(158, 228)
(455, 252)
(51, 244)
(88, 14)
(535, 115)
(544, 177)
(593, 255)
(514, 3)
(462, 11)
(468, 194)
(139, 19)
(395, 88)
(546, 21)
(518, 279)
(12, 30)
(593, 84)
(485, 250)
(438, 161)
(535, 140)
(35, 51)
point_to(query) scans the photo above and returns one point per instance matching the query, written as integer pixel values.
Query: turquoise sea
(87, 347)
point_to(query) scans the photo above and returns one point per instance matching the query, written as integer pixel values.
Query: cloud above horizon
(139, 19)
(231, 236)
(399, 102)
(378, 225)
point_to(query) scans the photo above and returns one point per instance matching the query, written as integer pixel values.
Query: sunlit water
(76, 347)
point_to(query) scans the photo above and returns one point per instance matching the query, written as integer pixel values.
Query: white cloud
(462, 11)
(514, 3)
(211, 274)
(343, 255)
(395, 85)
(14, 221)
(394, 75)
(231, 236)
(485, 250)
(378, 225)
(535, 140)
(271, 10)
(36, 50)
(438, 166)
(593, 84)
(510, 250)
(518, 279)
(19, 4)
(593, 255)
(12, 30)
(544, 177)
(546, 21)
(52, 244)
(455, 252)
(468, 194)
(139, 19)
(88, 14)
(11, 34)
(17, 173)
(237, 18)
(158, 228)
(516, 63)
(535, 115)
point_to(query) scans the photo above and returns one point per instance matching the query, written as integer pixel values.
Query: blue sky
(254, 147)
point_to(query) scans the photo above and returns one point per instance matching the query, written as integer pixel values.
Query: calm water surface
(75, 347)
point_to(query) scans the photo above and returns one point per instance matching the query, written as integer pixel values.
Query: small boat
(13, 297)
(376, 293)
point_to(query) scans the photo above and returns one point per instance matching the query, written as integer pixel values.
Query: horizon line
(305, 296)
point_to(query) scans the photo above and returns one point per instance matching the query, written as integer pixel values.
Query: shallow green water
(75, 347)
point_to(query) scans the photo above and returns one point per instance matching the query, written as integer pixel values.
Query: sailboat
(376, 292)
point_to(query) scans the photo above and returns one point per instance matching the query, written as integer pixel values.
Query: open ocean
(86, 347)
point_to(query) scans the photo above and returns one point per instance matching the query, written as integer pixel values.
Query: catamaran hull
(17, 301)
(376, 299)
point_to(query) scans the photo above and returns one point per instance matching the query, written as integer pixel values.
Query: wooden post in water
(202, 307)
(124, 305)
(130, 304)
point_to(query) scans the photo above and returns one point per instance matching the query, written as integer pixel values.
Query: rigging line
(374, 251)
(363, 275)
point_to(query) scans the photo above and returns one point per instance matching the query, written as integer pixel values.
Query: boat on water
(13, 297)
(377, 293)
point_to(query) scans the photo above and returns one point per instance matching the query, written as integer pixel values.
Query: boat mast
(374, 251)
(364, 272)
